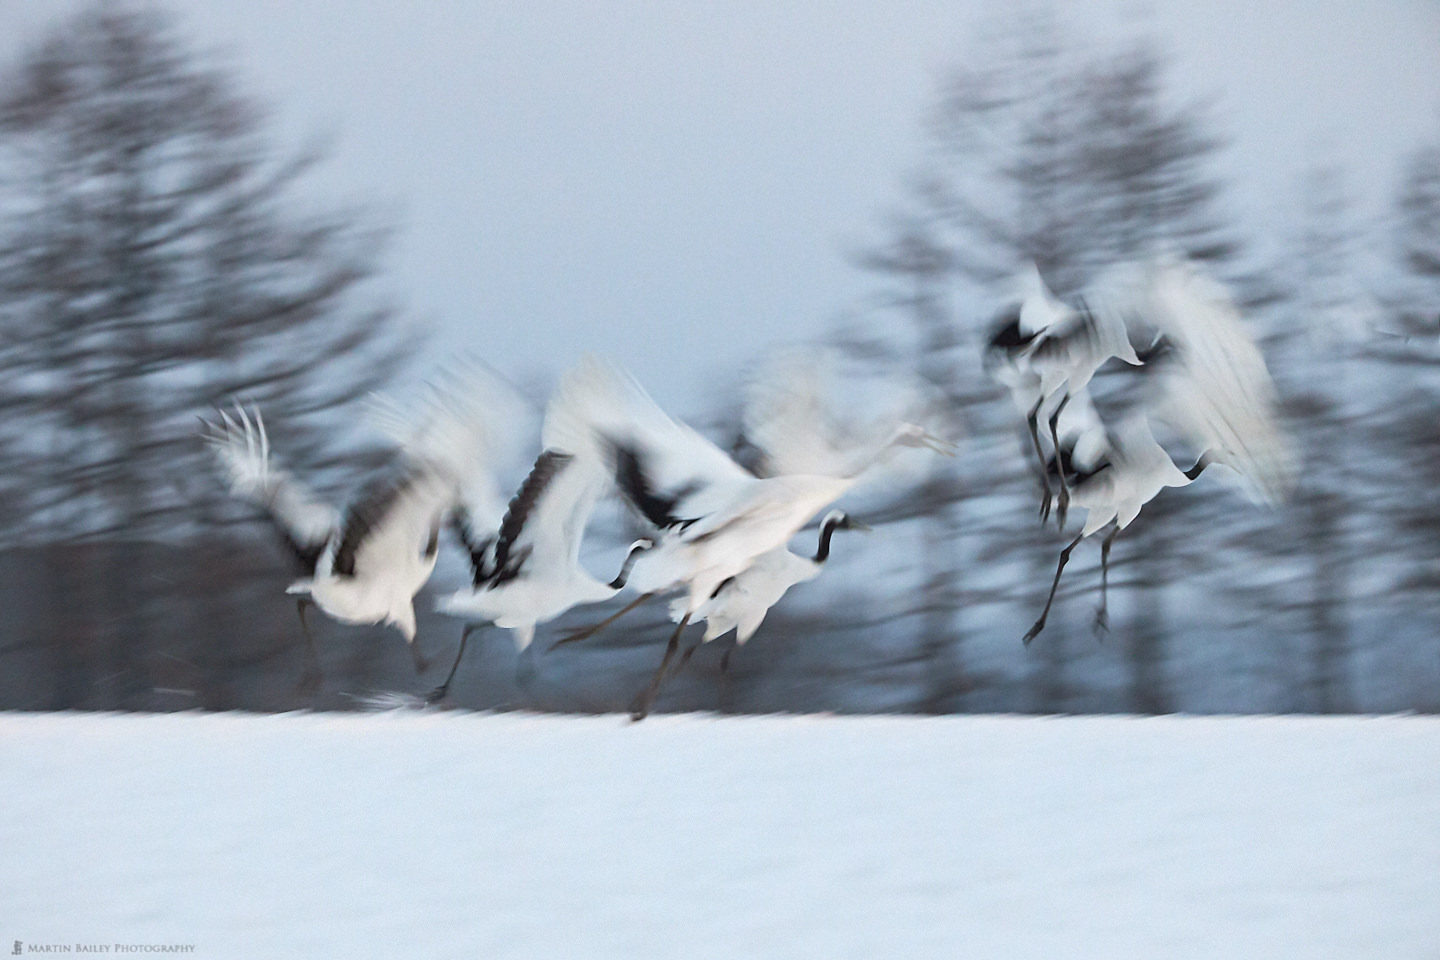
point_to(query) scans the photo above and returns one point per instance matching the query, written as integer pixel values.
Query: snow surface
(452, 834)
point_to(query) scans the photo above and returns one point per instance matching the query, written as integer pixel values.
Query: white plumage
(1213, 389)
(1069, 344)
(538, 576)
(1045, 351)
(366, 566)
(1202, 384)
(526, 567)
(1115, 471)
(741, 603)
(242, 447)
(712, 517)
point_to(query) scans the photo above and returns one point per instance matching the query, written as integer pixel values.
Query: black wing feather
(547, 465)
(464, 530)
(307, 555)
(1074, 473)
(635, 484)
(1058, 344)
(368, 511)
(1005, 333)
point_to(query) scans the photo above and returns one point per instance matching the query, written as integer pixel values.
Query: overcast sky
(676, 185)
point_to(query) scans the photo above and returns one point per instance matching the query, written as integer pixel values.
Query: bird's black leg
(438, 694)
(1064, 558)
(1102, 616)
(525, 670)
(1032, 420)
(641, 707)
(725, 674)
(685, 658)
(310, 679)
(595, 628)
(416, 657)
(1063, 505)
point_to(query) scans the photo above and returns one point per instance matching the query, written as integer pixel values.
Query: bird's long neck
(630, 558)
(822, 551)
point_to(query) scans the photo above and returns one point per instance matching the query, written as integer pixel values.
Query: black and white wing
(1213, 385)
(242, 447)
(1085, 442)
(478, 537)
(811, 414)
(461, 427)
(394, 520)
(1070, 344)
(664, 468)
(515, 541)
(447, 442)
(789, 416)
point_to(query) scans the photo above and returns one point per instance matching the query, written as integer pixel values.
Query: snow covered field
(450, 834)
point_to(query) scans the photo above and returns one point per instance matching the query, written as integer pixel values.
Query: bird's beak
(942, 447)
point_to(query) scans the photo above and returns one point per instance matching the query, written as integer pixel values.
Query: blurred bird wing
(790, 415)
(484, 505)
(242, 446)
(475, 519)
(462, 426)
(1215, 388)
(1039, 308)
(599, 411)
(451, 440)
(546, 520)
(1076, 342)
(1139, 458)
(787, 417)
(305, 523)
(1120, 300)
(1081, 428)
(392, 523)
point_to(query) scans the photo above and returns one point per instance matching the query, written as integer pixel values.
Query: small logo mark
(16, 951)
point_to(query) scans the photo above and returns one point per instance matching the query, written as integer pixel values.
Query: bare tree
(1325, 414)
(156, 258)
(1409, 349)
(1071, 158)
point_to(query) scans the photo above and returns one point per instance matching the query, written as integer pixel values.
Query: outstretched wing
(461, 426)
(394, 520)
(1071, 344)
(546, 519)
(242, 447)
(810, 415)
(449, 440)
(381, 514)
(788, 416)
(481, 546)
(515, 543)
(603, 416)
(1213, 385)
(636, 483)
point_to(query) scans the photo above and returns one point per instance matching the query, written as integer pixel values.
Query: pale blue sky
(676, 185)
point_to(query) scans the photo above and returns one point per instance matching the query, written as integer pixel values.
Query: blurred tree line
(1078, 157)
(159, 255)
